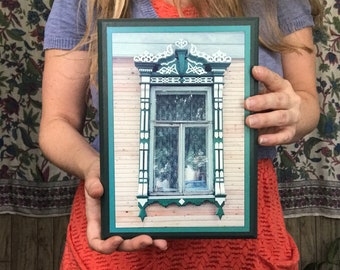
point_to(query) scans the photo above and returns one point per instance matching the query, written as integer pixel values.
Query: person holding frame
(285, 110)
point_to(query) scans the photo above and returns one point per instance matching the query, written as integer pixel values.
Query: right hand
(93, 191)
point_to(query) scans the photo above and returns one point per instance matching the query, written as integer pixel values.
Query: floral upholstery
(309, 171)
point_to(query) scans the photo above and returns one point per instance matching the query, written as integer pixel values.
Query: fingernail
(262, 140)
(249, 103)
(252, 121)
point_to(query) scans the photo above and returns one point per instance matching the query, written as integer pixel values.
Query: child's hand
(93, 192)
(276, 108)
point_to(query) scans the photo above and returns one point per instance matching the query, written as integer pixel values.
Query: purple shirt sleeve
(66, 24)
(294, 15)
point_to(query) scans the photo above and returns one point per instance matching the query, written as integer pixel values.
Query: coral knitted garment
(165, 10)
(273, 249)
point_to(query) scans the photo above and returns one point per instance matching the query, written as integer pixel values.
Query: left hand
(276, 109)
(93, 192)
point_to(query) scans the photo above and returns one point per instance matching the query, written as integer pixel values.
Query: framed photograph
(177, 160)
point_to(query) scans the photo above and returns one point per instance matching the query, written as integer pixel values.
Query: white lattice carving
(195, 68)
(181, 44)
(148, 57)
(166, 80)
(168, 70)
(197, 80)
(217, 57)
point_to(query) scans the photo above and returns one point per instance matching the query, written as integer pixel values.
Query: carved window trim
(181, 64)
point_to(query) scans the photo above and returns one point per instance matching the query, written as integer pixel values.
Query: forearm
(65, 147)
(310, 114)
(300, 70)
(64, 95)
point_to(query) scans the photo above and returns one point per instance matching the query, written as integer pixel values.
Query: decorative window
(181, 141)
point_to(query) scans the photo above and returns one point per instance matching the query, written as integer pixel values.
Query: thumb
(93, 187)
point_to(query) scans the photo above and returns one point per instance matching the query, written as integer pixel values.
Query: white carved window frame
(181, 64)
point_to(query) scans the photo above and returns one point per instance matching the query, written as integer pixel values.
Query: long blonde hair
(271, 36)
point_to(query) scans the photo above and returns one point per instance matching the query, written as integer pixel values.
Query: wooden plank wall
(313, 236)
(37, 243)
(31, 243)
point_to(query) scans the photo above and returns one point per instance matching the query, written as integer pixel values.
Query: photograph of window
(176, 154)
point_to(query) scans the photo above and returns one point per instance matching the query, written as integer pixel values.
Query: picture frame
(177, 160)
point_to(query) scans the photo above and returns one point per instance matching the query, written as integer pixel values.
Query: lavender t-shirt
(67, 22)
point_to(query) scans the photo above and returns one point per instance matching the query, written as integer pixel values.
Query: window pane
(188, 107)
(195, 159)
(166, 159)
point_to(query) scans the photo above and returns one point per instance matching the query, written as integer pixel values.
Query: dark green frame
(106, 31)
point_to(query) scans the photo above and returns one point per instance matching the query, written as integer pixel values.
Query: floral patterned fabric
(29, 184)
(309, 171)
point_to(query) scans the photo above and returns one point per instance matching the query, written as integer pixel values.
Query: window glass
(195, 174)
(180, 107)
(180, 142)
(166, 159)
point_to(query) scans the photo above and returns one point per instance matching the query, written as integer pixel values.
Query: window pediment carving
(181, 58)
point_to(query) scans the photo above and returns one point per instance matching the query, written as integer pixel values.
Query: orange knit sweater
(273, 249)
